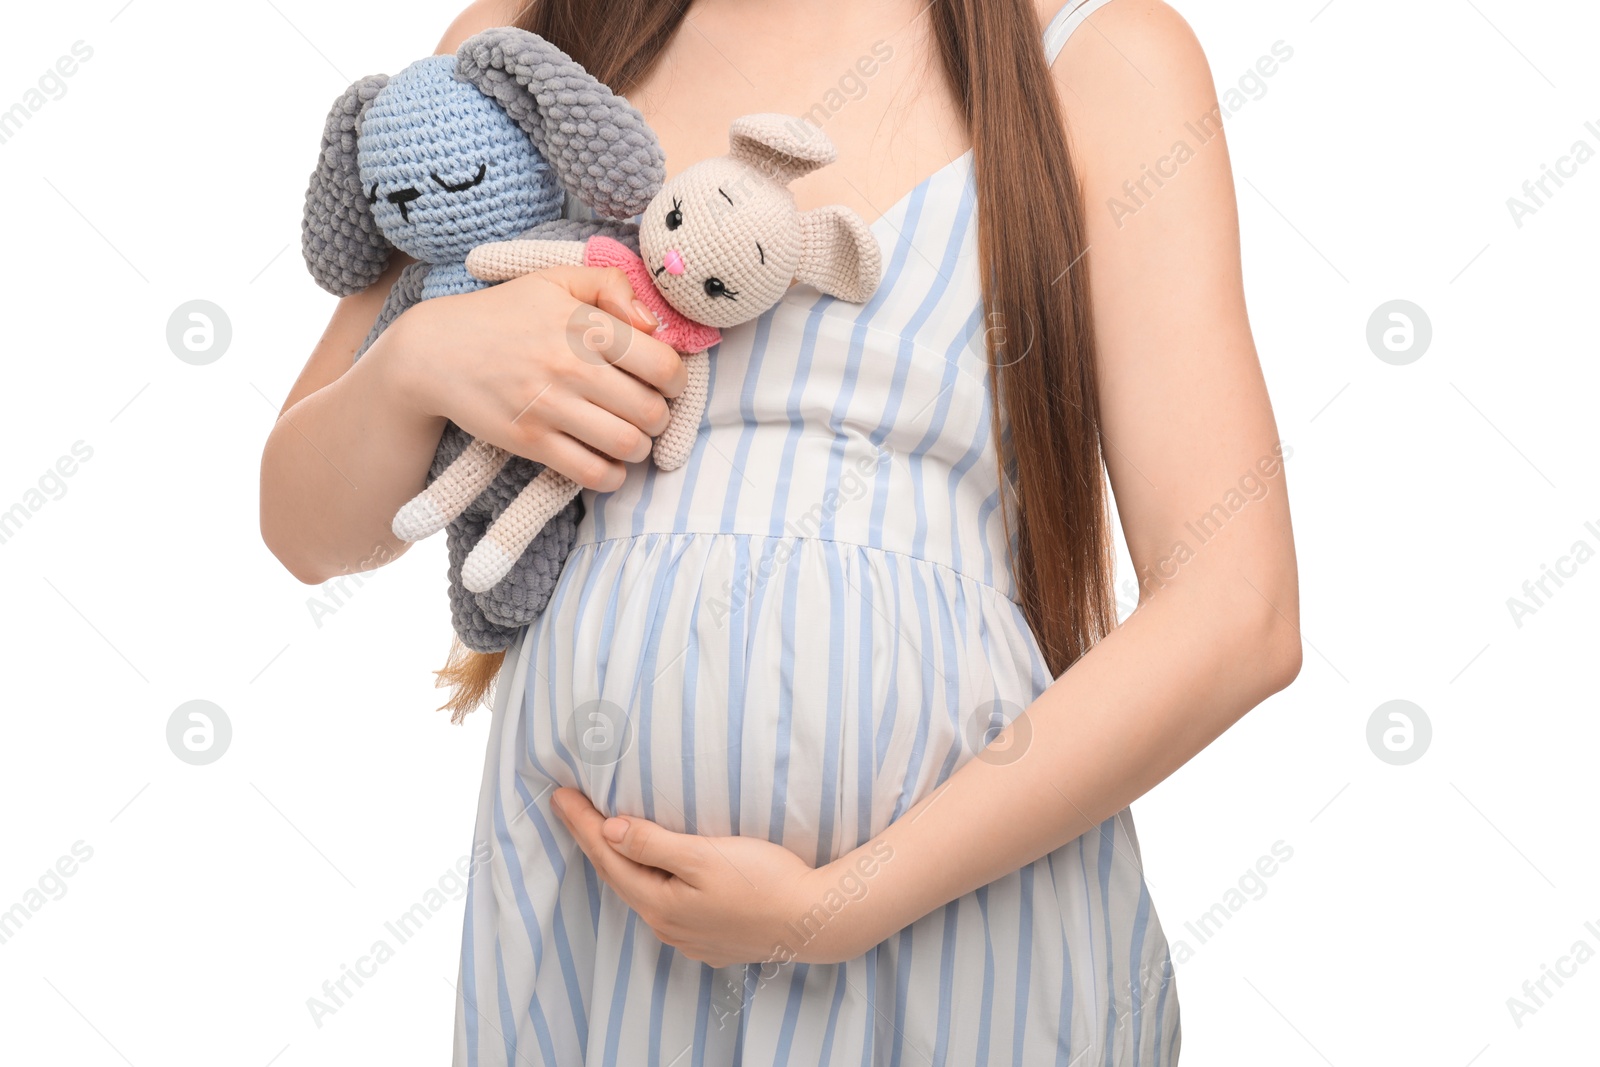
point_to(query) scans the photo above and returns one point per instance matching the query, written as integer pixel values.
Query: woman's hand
(719, 900)
(532, 366)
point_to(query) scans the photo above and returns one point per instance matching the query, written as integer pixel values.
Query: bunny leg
(677, 440)
(448, 496)
(494, 556)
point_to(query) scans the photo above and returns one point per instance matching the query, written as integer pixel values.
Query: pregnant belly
(800, 690)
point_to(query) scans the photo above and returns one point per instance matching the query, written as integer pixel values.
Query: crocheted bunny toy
(453, 152)
(720, 244)
(457, 151)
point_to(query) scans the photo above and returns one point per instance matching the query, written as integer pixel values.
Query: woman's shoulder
(1127, 79)
(1127, 43)
(476, 17)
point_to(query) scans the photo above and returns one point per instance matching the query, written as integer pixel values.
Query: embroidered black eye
(483, 168)
(675, 216)
(717, 287)
(372, 197)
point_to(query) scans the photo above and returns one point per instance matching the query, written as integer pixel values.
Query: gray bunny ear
(338, 235)
(599, 146)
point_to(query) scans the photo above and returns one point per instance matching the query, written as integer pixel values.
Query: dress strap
(1072, 15)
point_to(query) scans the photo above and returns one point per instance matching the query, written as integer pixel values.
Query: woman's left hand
(719, 900)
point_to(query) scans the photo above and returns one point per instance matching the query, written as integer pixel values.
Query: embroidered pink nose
(673, 261)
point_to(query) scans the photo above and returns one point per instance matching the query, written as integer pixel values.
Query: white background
(1376, 166)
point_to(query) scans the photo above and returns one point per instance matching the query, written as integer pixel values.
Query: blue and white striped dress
(796, 636)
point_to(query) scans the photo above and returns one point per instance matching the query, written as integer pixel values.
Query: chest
(873, 83)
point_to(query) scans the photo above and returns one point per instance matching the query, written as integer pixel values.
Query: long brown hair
(1035, 291)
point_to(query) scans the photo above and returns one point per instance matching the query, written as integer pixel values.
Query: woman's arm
(1188, 427)
(322, 492)
(355, 438)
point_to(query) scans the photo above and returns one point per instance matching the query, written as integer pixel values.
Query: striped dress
(795, 636)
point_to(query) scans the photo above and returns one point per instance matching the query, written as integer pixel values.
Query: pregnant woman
(823, 750)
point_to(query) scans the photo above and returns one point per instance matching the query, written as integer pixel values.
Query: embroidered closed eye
(461, 187)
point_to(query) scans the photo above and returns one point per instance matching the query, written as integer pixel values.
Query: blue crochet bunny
(451, 153)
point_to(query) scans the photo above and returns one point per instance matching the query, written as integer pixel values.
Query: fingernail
(615, 829)
(645, 314)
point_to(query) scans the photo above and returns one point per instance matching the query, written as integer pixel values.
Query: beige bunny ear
(838, 253)
(781, 147)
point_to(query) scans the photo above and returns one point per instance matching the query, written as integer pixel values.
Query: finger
(635, 350)
(636, 839)
(654, 363)
(638, 884)
(603, 339)
(645, 842)
(571, 457)
(627, 398)
(569, 799)
(605, 433)
(607, 289)
(583, 821)
(593, 848)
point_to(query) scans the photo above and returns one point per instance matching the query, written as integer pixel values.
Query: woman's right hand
(532, 366)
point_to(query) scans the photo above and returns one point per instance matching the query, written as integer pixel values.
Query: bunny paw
(418, 519)
(485, 565)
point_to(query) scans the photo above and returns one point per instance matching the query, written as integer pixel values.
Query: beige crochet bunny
(720, 245)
